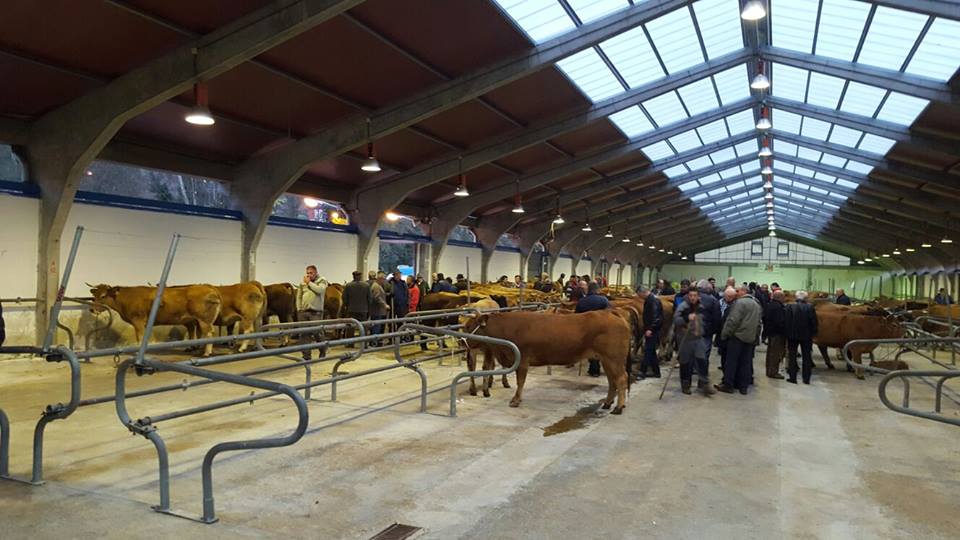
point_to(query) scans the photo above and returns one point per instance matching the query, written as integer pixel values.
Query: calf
(282, 302)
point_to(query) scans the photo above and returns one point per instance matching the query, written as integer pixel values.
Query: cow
(665, 347)
(556, 339)
(194, 306)
(442, 300)
(333, 301)
(484, 304)
(837, 326)
(243, 304)
(282, 302)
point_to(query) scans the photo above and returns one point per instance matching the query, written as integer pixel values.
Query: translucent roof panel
(890, 37)
(699, 96)
(702, 162)
(794, 24)
(856, 166)
(591, 10)
(747, 148)
(732, 84)
(845, 136)
(675, 171)
(824, 90)
(674, 37)
(687, 140)
(657, 151)
(720, 156)
(632, 122)
(815, 129)
(665, 109)
(841, 23)
(937, 57)
(741, 122)
(689, 186)
(632, 55)
(713, 132)
(786, 121)
(540, 19)
(902, 109)
(719, 22)
(789, 82)
(862, 99)
(875, 144)
(588, 71)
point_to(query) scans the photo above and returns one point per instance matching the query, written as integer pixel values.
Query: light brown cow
(557, 339)
(194, 306)
(333, 301)
(243, 304)
(837, 326)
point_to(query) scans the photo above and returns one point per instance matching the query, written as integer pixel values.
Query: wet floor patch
(583, 417)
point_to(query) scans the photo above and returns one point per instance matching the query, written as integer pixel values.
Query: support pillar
(367, 223)
(488, 238)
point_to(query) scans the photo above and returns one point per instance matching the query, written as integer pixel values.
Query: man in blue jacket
(593, 301)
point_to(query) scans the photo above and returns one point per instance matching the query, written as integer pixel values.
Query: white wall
(19, 222)
(284, 252)
(583, 267)
(453, 262)
(627, 278)
(502, 263)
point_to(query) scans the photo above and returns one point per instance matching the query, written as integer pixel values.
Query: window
(508, 240)
(463, 233)
(123, 180)
(11, 170)
(756, 248)
(783, 249)
(293, 206)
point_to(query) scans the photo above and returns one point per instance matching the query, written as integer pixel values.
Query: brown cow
(243, 303)
(333, 301)
(282, 302)
(194, 306)
(838, 326)
(556, 339)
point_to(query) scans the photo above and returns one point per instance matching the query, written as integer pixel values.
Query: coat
(356, 297)
(743, 320)
(689, 335)
(378, 300)
(652, 313)
(843, 300)
(401, 299)
(414, 293)
(800, 322)
(592, 302)
(774, 323)
(311, 295)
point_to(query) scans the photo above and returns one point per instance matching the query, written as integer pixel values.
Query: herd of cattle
(547, 337)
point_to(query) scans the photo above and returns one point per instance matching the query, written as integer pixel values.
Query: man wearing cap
(356, 300)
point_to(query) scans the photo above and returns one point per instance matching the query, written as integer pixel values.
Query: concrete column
(367, 223)
(487, 237)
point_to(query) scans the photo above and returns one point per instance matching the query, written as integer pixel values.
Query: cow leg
(206, 329)
(857, 358)
(488, 364)
(622, 384)
(521, 378)
(825, 353)
(244, 326)
(472, 366)
(611, 388)
(505, 381)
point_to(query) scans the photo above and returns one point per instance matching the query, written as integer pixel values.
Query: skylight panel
(824, 90)
(841, 23)
(862, 99)
(806, 153)
(699, 163)
(732, 84)
(875, 144)
(689, 186)
(845, 136)
(665, 109)
(937, 57)
(815, 189)
(632, 122)
(901, 108)
(687, 140)
(699, 197)
(657, 151)
(833, 206)
(786, 121)
(891, 35)
(587, 70)
(793, 24)
(699, 96)
(856, 166)
(676, 40)
(741, 122)
(815, 129)
(847, 183)
(633, 56)
(803, 171)
(783, 166)
(719, 191)
(730, 173)
(719, 22)
(747, 148)
(709, 179)
(540, 19)
(712, 132)
(591, 10)
(838, 196)
(785, 148)
(675, 171)
(824, 177)
(789, 82)
(721, 156)
(750, 166)
(832, 160)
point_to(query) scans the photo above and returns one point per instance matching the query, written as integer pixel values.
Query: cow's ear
(483, 321)
(112, 291)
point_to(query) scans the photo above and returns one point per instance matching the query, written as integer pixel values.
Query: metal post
(55, 412)
(468, 280)
(55, 309)
(4, 445)
(161, 285)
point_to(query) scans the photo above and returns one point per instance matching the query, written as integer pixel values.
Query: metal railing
(905, 376)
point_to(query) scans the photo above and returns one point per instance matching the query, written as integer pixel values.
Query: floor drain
(397, 531)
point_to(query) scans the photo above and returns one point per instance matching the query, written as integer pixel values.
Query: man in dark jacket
(693, 345)
(800, 322)
(774, 331)
(461, 284)
(652, 323)
(3, 327)
(442, 285)
(842, 298)
(356, 300)
(593, 301)
(741, 331)
(941, 298)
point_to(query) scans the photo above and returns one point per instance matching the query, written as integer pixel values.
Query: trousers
(650, 360)
(736, 367)
(806, 350)
(310, 315)
(776, 346)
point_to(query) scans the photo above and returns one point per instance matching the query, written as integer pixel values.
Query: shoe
(806, 382)
(639, 377)
(792, 381)
(593, 374)
(743, 391)
(724, 388)
(654, 376)
(685, 387)
(777, 376)
(706, 388)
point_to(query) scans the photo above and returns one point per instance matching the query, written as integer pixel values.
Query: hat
(357, 273)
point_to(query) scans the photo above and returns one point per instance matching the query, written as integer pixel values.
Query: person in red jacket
(414, 294)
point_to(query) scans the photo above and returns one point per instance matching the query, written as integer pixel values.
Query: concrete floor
(819, 461)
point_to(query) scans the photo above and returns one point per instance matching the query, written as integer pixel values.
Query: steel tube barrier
(936, 416)
(64, 280)
(482, 373)
(146, 428)
(50, 413)
(890, 341)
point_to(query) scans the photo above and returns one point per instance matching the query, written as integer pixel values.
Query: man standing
(461, 284)
(689, 325)
(942, 297)
(800, 322)
(842, 298)
(593, 301)
(378, 304)
(310, 297)
(774, 330)
(652, 323)
(742, 330)
(723, 306)
(519, 283)
(356, 299)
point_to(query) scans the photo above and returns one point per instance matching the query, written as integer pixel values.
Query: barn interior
(812, 143)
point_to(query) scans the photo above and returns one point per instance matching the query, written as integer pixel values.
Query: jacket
(443, 286)
(592, 302)
(652, 314)
(743, 322)
(356, 297)
(401, 299)
(689, 346)
(942, 299)
(310, 296)
(378, 300)
(710, 314)
(800, 322)
(414, 301)
(460, 285)
(843, 300)
(774, 319)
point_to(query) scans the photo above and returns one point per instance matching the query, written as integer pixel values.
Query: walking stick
(695, 328)
(665, 383)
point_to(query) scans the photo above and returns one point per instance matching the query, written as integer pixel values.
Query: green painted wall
(857, 282)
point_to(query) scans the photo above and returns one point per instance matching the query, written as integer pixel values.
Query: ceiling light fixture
(651, 246)
(867, 258)
(760, 81)
(310, 202)
(860, 262)
(768, 184)
(926, 244)
(753, 11)
(370, 164)
(586, 227)
(767, 169)
(910, 250)
(609, 233)
(769, 204)
(462, 183)
(558, 220)
(392, 216)
(765, 150)
(946, 240)
(517, 201)
(199, 114)
(764, 122)
(773, 233)
(886, 255)
(768, 196)
(896, 251)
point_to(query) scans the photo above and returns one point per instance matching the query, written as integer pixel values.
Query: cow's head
(475, 324)
(103, 295)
